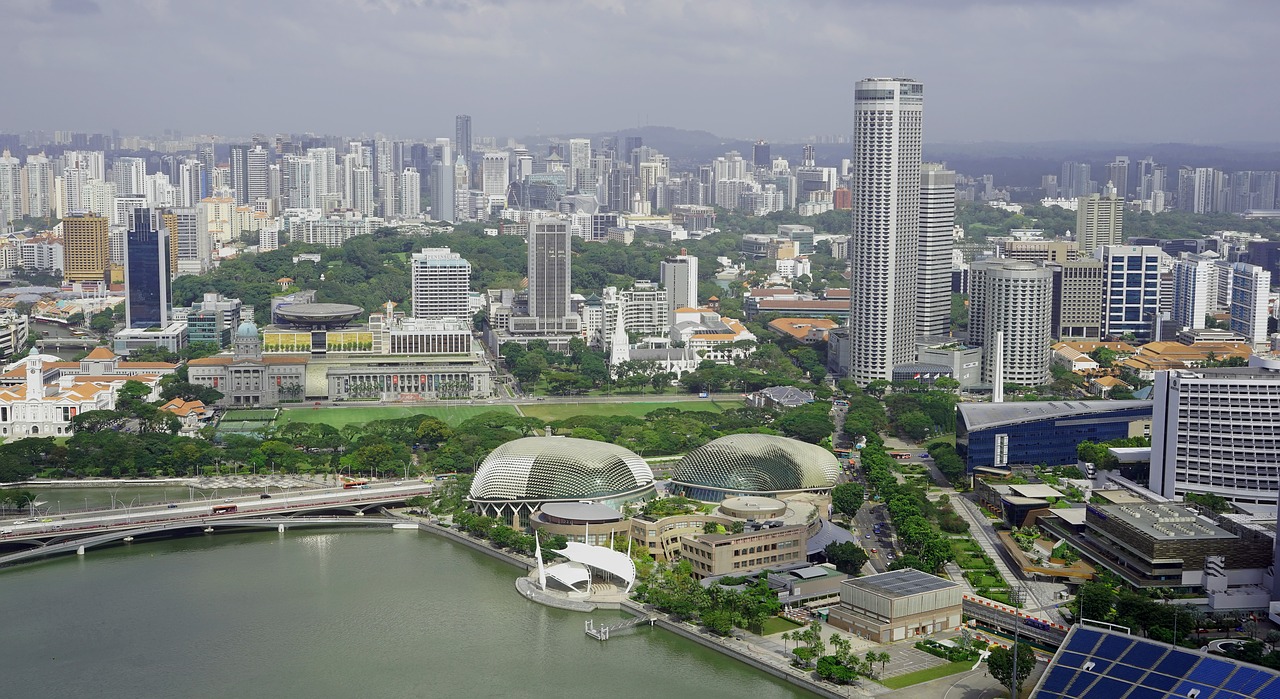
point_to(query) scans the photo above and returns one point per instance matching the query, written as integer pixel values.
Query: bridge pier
(280, 528)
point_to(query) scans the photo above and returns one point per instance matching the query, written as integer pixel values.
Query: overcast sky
(1029, 70)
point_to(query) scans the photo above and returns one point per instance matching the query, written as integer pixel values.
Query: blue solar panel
(1113, 646)
(1072, 659)
(1082, 680)
(1271, 689)
(1176, 663)
(1226, 694)
(1185, 687)
(1146, 693)
(1058, 679)
(1210, 672)
(1164, 682)
(1246, 680)
(1143, 654)
(1106, 688)
(1127, 672)
(1083, 640)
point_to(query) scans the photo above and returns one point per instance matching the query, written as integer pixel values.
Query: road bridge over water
(25, 539)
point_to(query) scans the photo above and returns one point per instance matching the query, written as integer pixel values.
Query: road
(541, 400)
(103, 520)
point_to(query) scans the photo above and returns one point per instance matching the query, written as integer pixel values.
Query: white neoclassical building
(34, 409)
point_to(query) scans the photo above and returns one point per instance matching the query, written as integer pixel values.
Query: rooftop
(1163, 522)
(902, 583)
(980, 416)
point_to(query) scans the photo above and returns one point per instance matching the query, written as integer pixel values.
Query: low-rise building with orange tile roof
(806, 330)
(192, 414)
(36, 407)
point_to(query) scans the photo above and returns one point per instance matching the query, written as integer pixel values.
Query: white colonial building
(34, 409)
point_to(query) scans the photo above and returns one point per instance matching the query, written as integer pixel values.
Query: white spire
(537, 553)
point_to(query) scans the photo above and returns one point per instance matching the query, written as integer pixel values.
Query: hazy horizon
(1128, 71)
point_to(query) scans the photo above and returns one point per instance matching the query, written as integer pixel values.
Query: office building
(1099, 221)
(1030, 433)
(884, 248)
(760, 155)
(495, 175)
(1193, 277)
(1217, 431)
(1132, 279)
(441, 284)
(1014, 298)
(248, 173)
(679, 276)
(146, 272)
(550, 258)
(1250, 290)
(1077, 299)
(443, 185)
(897, 605)
(462, 138)
(1118, 175)
(937, 225)
(86, 248)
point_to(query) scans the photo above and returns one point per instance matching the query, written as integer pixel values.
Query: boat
(127, 539)
(404, 525)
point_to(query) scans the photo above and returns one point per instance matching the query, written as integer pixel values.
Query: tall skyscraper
(884, 248)
(410, 199)
(1250, 285)
(441, 284)
(550, 255)
(443, 184)
(1077, 299)
(146, 271)
(10, 190)
(462, 137)
(248, 173)
(130, 176)
(679, 276)
(1118, 175)
(1099, 221)
(85, 244)
(495, 174)
(937, 222)
(1132, 284)
(760, 155)
(1014, 298)
(580, 175)
(1193, 281)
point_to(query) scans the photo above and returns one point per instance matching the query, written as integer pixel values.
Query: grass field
(777, 624)
(340, 417)
(560, 411)
(925, 675)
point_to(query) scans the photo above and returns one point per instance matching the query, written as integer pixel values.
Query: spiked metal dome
(754, 464)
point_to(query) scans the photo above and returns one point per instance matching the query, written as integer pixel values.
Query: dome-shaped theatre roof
(247, 329)
(758, 463)
(558, 468)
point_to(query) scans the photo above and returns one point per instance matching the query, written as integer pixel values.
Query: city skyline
(729, 53)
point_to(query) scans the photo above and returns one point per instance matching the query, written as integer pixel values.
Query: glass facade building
(1034, 433)
(147, 273)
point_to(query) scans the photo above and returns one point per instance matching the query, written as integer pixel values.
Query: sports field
(560, 411)
(340, 417)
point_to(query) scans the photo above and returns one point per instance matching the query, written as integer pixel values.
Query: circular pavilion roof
(319, 313)
(559, 468)
(758, 463)
(581, 512)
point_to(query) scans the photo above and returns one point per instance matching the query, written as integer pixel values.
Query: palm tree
(883, 659)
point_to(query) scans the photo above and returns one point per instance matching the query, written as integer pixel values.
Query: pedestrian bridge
(23, 540)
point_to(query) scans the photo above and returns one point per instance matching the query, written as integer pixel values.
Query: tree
(847, 498)
(847, 557)
(1000, 665)
(810, 423)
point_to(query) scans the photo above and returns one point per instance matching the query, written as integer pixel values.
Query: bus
(351, 485)
(900, 455)
(223, 509)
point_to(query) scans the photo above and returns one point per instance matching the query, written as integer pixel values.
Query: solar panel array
(1100, 664)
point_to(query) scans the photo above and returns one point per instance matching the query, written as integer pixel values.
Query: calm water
(336, 614)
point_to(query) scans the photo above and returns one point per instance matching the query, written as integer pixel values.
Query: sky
(1192, 71)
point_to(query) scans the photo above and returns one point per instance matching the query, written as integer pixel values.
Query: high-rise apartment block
(1014, 298)
(1077, 299)
(441, 284)
(10, 190)
(1099, 221)
(1194, 281)
(495, 174)
(410, 199)
(85, 244)
(1250, 286)
(884, 248)
(937, 223)
(146, 272)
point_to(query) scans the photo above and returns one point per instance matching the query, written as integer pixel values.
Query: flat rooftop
(1162, 521)
(902, 583)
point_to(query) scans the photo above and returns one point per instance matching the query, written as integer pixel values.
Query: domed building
(522, 475)
(246, 378)
(754, 465)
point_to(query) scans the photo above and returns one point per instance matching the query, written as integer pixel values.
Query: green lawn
(561, 411)
(925, 675)
(777, 624)
(340, 417)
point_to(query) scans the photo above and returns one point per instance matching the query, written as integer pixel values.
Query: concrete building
(550, 260)
(171, 336)
(247, 378)
(36, 409)
(763, 547)
(679, 276)
(897, 605)
(1099, 221)
(1132, 278)
(1031, 433)
(86, 250)
(1217, 431)
(937, 224)
(495, 175)
(1013, 298)
(1077, 299)
(884, 249)
(964, 360)
(1193, 277)
(441, 282)
(1250, 295)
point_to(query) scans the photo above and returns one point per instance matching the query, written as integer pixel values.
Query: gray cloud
(993, 69)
